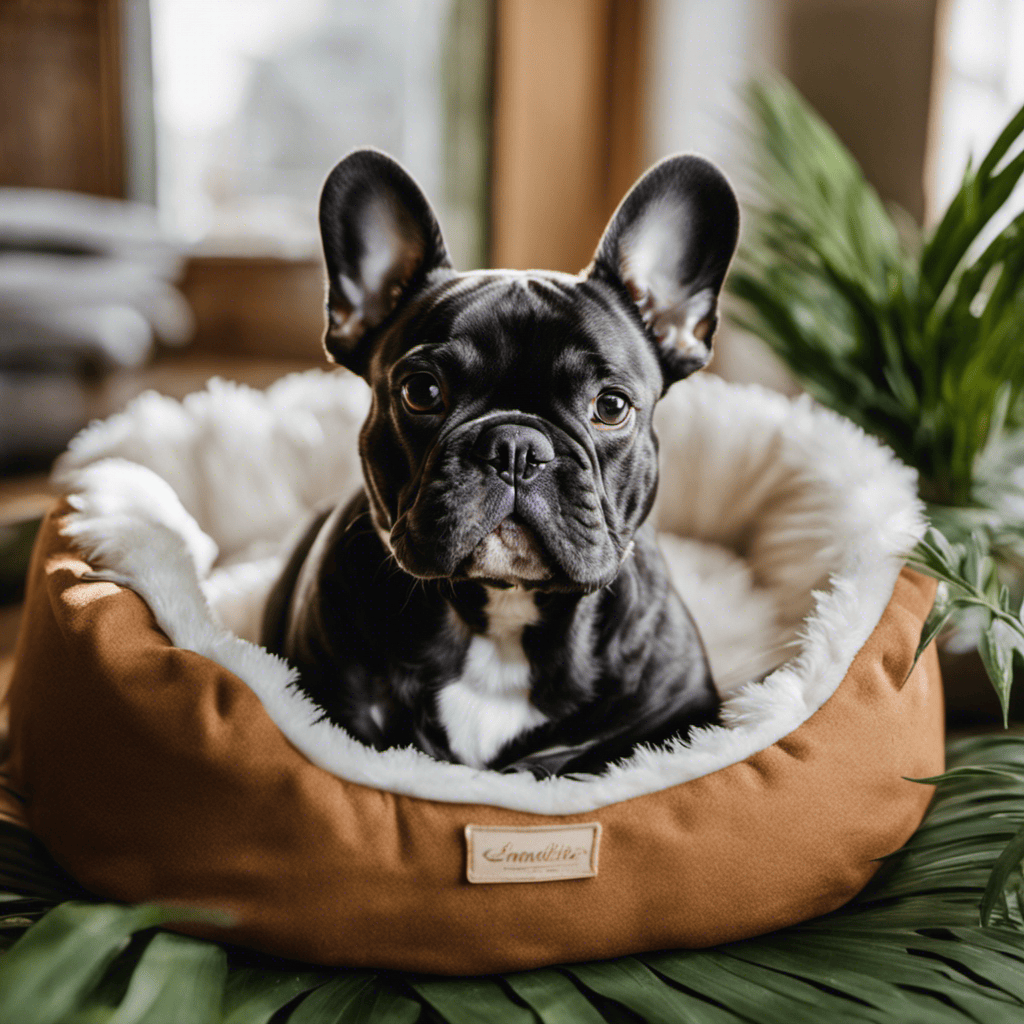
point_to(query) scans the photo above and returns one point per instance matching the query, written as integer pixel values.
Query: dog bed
(165, 757)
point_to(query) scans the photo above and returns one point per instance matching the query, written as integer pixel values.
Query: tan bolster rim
(153, 774)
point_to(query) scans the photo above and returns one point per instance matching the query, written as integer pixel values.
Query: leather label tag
(544, 853)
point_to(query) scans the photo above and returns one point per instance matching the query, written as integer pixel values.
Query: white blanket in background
(84, 279)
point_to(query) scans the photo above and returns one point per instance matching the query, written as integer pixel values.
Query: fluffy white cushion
(785, 529)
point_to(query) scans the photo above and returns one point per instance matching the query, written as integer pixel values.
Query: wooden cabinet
(60, 95)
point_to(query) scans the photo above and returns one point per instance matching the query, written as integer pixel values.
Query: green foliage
(910, 947)
(919, 344)
(968, 578)
(57, 970)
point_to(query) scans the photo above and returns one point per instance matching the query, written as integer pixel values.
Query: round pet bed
(164, 756)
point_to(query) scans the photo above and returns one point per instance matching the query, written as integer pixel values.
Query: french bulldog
(495, 595)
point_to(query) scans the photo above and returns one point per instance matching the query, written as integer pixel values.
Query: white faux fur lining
(797, 524)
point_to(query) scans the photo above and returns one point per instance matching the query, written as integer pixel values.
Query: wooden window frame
(569, 102)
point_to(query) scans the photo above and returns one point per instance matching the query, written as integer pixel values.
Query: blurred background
(160, 162)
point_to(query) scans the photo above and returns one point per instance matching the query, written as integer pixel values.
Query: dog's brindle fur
(394, 606)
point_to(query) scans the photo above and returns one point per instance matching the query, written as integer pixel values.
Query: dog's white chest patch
(489, 704)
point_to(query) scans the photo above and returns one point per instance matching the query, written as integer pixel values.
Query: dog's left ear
(670, 243)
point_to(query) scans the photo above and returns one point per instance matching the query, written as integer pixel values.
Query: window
(256, 100)
(983, 87)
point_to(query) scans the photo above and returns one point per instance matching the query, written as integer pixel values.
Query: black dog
(495, 596)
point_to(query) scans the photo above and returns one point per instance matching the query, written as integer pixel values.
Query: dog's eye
(611, 408)
(422, 393)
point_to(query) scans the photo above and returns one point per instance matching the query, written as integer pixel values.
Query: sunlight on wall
(984, 86)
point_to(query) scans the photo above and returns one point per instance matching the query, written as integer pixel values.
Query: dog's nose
(517, 453)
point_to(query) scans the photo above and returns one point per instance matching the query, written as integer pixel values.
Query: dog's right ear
(380, 240)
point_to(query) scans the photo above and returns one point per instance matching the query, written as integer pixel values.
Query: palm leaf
(913, 946)
(983, 193)
(253, 996)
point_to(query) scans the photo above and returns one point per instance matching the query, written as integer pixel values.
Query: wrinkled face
(509, 439)
(510, 434)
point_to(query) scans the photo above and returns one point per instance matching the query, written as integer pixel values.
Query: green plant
(911, 947)
(919, 341)
(969, 582)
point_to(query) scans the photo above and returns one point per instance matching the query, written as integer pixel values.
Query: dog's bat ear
(669, 244)
(380, 240)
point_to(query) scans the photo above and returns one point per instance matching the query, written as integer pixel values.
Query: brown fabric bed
(153, 774)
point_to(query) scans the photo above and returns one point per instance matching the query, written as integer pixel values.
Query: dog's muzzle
(518, 455)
